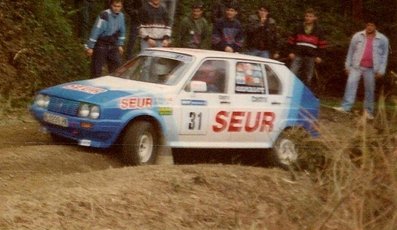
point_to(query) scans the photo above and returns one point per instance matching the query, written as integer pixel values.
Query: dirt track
(48, 186)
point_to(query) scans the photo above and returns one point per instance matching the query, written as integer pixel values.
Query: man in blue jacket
(367, 58)
(106, 41)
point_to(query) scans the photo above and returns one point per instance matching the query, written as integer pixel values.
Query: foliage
(37, 49)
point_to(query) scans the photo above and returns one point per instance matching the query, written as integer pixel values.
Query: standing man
(106, 41)
(154, 29)
(194, 30)
(367, 57)
(132, 7)
(307, 45)
(262, 35)
(227, 33)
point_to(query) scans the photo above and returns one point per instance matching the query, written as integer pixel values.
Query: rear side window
(249, 78)
(273, 82)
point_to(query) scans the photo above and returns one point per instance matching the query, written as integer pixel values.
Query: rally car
(183, 98)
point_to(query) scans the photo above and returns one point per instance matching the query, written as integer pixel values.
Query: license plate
(55, 119)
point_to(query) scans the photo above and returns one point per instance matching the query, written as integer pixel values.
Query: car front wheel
(140, 143)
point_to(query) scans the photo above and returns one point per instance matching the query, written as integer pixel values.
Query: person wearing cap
(194, 30)
(262, 36)
(367, 58)
(227, 33)
(154, 28)
(106, 41)
(307, 46)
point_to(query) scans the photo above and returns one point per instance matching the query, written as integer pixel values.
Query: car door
(199, 107)
(256, 105)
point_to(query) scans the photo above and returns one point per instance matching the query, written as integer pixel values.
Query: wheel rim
(286, 152)
(145, 148)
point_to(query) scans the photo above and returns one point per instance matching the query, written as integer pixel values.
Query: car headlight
(94, 112)
(89, 111)
(84, 110)
(42, 100)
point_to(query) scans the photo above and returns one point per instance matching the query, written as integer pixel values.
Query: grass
(358, 179)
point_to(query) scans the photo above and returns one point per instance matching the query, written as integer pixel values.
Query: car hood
(104, 89)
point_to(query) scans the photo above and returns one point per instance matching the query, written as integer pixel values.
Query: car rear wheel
(289, 147)
(140, 144)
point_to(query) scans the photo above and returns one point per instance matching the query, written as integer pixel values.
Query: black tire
(288, 150)
(139, 144)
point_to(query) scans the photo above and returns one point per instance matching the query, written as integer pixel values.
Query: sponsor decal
(224, 97)
(250, 89)
(84, 88)
(258, 99)
(193, 102)
(164, 101)
(136, 103)
(241, 121)
(165, 111)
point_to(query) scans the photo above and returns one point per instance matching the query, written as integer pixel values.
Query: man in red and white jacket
(307, 46)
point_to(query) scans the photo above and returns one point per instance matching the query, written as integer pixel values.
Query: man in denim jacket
(367, 57)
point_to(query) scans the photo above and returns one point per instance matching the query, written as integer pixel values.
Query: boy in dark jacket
(227, 34)
(307, 45)
(262, 36)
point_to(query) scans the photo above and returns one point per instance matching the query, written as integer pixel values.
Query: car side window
(249, 78)
(213, 73)
(273, 81)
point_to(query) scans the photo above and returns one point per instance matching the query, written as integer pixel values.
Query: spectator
(262, 35)
(106, 41)
(307, 45)
(154, 29)
(194, 30)
(132, 7)
(367, 57)
(227, 34)
(219, 9)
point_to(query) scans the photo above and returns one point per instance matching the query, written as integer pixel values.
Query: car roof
(202, 53)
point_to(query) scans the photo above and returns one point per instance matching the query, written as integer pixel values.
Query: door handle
(276, 103)
(225, 102)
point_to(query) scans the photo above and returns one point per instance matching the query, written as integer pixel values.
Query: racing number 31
(195, 120)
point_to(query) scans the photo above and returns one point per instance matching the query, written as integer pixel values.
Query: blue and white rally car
(183, 98)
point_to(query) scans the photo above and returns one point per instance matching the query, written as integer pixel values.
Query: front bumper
(86, 132)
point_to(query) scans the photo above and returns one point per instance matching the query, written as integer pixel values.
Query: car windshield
(154, 69)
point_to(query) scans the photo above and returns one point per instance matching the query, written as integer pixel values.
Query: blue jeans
(304, 65)
(352, 85)
(259, 53)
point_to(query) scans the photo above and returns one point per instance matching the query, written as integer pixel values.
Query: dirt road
(62, 186)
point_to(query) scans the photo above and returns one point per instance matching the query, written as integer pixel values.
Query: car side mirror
(198, 86)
